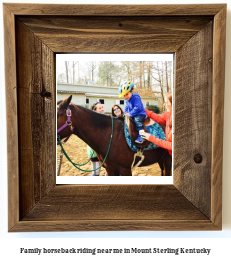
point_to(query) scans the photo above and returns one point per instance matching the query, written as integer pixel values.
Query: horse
(95, 129)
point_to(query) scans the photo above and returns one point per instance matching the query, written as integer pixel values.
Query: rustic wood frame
(33, 33)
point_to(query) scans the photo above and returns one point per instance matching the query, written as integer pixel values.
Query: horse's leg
(111, 172)
(120, 172)
(161, 165)
(125, 172)
(167, 163)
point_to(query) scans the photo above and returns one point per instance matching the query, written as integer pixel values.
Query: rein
(59, 142)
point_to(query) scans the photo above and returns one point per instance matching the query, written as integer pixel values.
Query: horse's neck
(91, 127)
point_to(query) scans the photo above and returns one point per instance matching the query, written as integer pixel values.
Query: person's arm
(159, 118)
(138, 107)
(161, 143)
(126, 108)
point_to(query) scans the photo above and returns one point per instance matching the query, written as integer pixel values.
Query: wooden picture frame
(33, 34)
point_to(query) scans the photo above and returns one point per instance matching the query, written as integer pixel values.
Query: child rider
(133, 107)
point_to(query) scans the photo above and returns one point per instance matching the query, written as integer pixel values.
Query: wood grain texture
(12, 120)
(188, 204)
(115, 34)
(115, 10)
(193, 113)
(111, 207)
(114, 202)
(114, 225)
(36, 106)
(218, 114)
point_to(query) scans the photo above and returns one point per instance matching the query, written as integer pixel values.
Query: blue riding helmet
(125, 88)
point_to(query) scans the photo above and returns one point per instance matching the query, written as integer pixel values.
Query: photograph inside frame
(114, 118)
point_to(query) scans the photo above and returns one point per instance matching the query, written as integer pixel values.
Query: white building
(86, 95)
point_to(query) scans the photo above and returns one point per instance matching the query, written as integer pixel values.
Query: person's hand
(127, 114)
(144, 134)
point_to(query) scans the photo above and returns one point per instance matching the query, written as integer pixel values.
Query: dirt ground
(77, 152)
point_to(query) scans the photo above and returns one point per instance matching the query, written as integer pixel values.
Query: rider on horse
(133, 107)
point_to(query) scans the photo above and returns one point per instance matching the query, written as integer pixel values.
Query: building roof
(87, 94)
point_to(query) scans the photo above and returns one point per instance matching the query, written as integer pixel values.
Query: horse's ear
(69, 99)
(64, 104)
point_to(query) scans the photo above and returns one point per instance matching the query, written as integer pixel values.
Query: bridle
(76, 165)
(66, 124)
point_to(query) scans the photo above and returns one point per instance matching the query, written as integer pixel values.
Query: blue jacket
(135, 106)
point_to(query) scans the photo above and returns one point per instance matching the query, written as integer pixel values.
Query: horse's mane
(97, 118)
(120, 118)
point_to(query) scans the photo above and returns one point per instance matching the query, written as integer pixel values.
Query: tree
(108, 73)
(161, 73)
(153, 108)
(67, 70)
(148, 76)
(73, 71)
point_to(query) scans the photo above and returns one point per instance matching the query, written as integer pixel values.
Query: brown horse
(95, 129)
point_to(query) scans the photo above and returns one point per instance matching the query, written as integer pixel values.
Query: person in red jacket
(165, 118)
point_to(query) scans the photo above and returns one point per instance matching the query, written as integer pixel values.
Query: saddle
(131, 134)
(148, 121)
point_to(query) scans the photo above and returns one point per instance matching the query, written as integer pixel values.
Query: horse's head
(64, 123)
